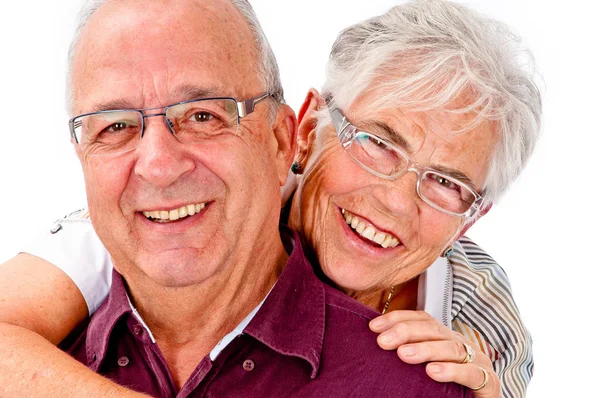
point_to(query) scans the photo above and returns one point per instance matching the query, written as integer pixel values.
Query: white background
(544, 232)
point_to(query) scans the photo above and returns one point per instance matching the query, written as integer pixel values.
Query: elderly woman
(426, 118)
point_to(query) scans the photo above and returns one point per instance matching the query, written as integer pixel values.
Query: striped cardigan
(484, 311)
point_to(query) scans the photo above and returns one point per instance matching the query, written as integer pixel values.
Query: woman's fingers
(439, 351)
(413, 331)
(469, 375)
(384, 322)
(419, 338)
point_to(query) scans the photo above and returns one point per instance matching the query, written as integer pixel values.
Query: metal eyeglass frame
(244, 108)
(346, 132)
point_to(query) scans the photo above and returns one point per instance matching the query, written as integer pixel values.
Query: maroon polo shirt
(307, 340)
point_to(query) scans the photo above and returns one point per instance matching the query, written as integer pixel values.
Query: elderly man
(179, 121)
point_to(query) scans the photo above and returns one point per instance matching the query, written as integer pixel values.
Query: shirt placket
(154, 358)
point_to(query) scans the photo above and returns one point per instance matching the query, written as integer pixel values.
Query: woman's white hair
(434, 54)
(268, 69)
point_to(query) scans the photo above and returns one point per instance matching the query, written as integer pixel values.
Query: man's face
(137, 54)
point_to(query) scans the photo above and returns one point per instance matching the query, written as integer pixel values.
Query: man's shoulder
(336, 300)
(350, 347)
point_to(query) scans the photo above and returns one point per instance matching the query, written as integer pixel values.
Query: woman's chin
(349, 279)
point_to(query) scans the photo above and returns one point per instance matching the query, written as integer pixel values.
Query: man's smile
(165, 216)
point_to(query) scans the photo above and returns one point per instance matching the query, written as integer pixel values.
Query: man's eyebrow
(180, 94)
(458, 175)
(188, 92)
(389, 133)
(112, 105)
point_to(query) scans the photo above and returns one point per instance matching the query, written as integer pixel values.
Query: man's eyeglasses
(117, 131)
(385, 160)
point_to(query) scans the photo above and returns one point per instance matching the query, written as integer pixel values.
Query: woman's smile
(369, 232)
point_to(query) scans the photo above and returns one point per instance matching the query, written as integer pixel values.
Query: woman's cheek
(437, 231)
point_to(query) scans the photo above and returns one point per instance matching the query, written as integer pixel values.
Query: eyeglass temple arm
(246, 107)
(72, 126)
(339, 120)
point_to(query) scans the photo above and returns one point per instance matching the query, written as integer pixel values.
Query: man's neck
(188, 322)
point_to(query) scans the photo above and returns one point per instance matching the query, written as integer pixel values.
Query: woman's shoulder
(476, 269)
(482, 298)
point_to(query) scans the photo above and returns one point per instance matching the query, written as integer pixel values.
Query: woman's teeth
(174, 215)
(369, 232)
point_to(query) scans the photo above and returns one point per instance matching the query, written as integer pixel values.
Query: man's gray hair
(268, 69)
(433, 54)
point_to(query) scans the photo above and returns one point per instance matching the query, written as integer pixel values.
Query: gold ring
(485, 380)
(470, 354)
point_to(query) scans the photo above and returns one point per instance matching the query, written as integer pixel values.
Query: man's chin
(171, 269)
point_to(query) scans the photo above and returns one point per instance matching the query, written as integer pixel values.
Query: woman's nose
(399, 196)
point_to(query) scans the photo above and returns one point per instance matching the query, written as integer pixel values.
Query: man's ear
(285, 129)
(307, 122)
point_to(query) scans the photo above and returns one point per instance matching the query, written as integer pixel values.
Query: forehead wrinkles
(207, 37)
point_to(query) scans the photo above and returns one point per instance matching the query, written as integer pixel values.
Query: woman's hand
(419, 338)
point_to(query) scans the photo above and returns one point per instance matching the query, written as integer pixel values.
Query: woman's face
(333, 188)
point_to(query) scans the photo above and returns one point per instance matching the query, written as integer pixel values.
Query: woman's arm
(32, 367)
(39, 306)
(38, 296)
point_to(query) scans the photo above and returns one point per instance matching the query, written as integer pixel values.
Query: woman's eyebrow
(456, 174)
(396, 137)
(390, 133)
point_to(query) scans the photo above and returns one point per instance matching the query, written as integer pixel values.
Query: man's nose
(162, 159)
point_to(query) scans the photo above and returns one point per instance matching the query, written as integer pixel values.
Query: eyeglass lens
(440, 190)
(118, 131)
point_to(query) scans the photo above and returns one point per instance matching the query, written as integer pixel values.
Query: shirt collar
(292, 319)
(229, 337)
(117, 305)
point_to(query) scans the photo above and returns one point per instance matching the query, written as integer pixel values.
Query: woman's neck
(405, 297)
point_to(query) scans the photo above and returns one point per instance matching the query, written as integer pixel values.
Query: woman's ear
(469, 224)
(307, 122)
(285, 130)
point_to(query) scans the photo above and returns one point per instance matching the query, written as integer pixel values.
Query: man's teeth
(370, 232)
(176, 214)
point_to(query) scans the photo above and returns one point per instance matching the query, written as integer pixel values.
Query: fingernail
(377, 323)
(387, 337)
(408, 351)
(435, 369)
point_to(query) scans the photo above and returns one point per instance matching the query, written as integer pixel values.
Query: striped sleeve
(484, 311)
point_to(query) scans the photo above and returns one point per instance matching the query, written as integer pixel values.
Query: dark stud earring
(296, 168)
(448, 252)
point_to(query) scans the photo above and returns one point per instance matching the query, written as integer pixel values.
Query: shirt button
(123, 361)
(137, 329)
(248, 365)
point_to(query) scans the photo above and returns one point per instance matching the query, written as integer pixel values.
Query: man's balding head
(264, 58)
